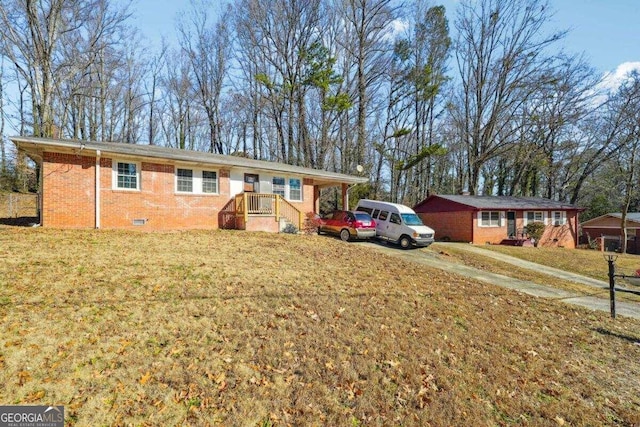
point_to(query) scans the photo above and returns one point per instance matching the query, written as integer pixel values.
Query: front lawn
(253, 329)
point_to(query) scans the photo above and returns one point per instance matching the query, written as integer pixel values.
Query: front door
(511, 224)
(251, 183)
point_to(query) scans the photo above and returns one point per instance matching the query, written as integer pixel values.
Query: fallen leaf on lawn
(145, 378)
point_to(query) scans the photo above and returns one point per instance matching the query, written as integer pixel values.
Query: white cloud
(611, 80)
(396, 28)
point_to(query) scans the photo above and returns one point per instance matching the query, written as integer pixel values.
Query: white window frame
(562, 220)
(491, 222)
(115, 174)
(285, 189)
(301, 198)
(280, 189)
(215, 182)
(543, 218)
(197, 181)
(184, 180)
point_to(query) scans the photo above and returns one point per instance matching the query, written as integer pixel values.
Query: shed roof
(505, 202)
(36, 146)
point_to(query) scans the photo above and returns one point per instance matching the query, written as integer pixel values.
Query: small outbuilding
(609, 229)
(499, 219)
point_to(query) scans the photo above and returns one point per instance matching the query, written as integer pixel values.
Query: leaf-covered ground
(251, 329)
(588, 263)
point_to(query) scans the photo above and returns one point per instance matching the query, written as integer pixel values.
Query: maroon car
(348, 225)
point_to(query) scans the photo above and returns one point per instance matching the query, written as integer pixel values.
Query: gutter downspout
(98, 189)
(474, 221)
(575, 236)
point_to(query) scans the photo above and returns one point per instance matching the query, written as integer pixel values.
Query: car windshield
(411, 219)
(363, 217)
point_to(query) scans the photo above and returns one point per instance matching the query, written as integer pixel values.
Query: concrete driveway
(629, 309)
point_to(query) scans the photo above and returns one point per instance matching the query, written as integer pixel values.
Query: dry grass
(587, 263)
(582, 261)
(250, 329)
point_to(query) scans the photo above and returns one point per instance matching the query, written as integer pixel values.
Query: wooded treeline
(487, 103)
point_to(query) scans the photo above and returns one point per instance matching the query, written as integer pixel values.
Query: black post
(612, 286)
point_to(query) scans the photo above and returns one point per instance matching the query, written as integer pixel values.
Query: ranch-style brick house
(499, 219)
(608, 227)
(88, 184)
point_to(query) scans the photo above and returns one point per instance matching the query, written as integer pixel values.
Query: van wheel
(405, 242)
(344, 235)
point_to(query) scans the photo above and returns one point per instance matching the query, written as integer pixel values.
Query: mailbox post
(611, 259)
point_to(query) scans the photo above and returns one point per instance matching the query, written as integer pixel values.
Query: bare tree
(627, 102)
(35, 36)
(501, 57)
(3, 150)
(208, 47)
(156, 66)
(177, 88)
(367, 43)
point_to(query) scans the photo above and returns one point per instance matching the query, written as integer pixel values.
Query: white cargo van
(397, 223)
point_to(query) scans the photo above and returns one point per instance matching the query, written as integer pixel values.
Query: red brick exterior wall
(493, 235)
(453, 226)
(562, 235)
(68, 194)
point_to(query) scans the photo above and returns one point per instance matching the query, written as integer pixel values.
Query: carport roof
(36, 146)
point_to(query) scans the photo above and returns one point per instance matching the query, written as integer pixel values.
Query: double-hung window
(295, 189)
(196, 181)
(559, 218)
(278, 186)
(185, 181)
(126, 176)
(209, 182)
(490, 219)
(534, 216)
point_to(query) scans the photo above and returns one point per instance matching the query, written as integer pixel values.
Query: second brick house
(499, 219)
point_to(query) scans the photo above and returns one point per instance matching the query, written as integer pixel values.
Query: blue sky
(607, 31)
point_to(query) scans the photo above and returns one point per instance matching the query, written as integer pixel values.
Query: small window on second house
(490, 219)
(534, 216)
(185, 180)
(559, 218)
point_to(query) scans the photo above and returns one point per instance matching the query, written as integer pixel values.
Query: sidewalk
(628, 309)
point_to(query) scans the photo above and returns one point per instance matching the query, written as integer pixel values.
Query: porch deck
(259, 211)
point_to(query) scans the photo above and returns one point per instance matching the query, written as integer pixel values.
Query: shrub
(311, 223)
(535, 231)
(290, 229)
